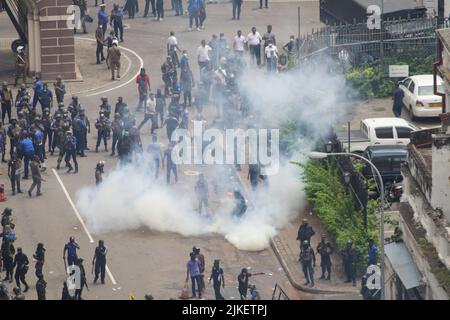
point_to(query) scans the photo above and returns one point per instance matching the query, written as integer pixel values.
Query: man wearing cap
(103, 18)
(114, 59)
(21, 66)
(305, 232)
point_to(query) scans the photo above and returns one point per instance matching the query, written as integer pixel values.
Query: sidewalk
(286, 248)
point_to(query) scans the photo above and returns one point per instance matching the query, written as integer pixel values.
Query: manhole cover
(191, 173)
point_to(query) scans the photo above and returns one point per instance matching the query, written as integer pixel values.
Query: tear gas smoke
(129, 198)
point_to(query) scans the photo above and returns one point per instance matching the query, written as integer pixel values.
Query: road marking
(123, 84)
(91, 240)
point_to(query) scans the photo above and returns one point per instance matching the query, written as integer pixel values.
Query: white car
(419, 98)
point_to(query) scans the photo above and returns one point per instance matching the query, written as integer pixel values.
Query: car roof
(425, 79)
(392, 120)
(387, 150)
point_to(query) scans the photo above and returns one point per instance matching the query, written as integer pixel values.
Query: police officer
(45, 97)
(325, 250)
(171, 165)
(102, 125)
(7, 257)
(119, 106)
(60, 89)
(124, 147)
(13, 132)
(39, 256)
(308, 261)
(71, 151)
(21, 66)
(99, 172)
(37, 87)
(349, 259)
(81, 128)
(171, 124)
(117, 21)
(18, 295)
(254, 171)
(2, 142)
(117, 128)
(7, 101)
(71, 247)
(305, 232)
(105, 107)
(41, 285)
(47, 124)
(99, 261)
(21, 264)
(58, 137)
(73, 107)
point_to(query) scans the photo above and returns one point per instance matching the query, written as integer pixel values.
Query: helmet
(7, 211)
(20, 49)
(115, 42)
(61, 105)
(5, 83)
(306, 242)
(223, 60)
(104, 99)
(74, 97)
(17, 291)
(69, 131)
(117, 116)
(46, 110)
(349, 242)
(23, 86)
(195, 249)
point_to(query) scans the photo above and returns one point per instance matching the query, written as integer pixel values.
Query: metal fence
(357, 43)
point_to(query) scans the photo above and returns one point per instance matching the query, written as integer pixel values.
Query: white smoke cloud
(129, 198)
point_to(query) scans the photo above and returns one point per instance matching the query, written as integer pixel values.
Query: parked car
(419, 98)
(388, 160)
(377, 131)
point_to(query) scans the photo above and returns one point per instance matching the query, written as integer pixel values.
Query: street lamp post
(322, 155)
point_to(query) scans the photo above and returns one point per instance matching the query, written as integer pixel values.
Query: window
(382, 164)
(429, 90)
(396, 162)
(384, 133)
(407, 82)
(364, 129)
(403, 132)
(412, 86)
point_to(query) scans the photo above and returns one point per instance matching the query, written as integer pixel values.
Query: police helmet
(74, 97)
(61, 105)
(5, 83)
(69, 132)
(349, 242)
(46, 110)
(7, 211)
(20, 49)
(17, 291)
(23, 86)
(58, 116)
(104, 99)
(305, 221)
(117, 115)
(306, 242)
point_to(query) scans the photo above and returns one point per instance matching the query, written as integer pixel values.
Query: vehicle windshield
(429, 91)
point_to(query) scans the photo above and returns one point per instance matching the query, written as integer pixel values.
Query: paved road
(144, 261)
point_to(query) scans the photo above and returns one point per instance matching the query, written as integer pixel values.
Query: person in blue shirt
(373, 253)
(71, 151)
(27, 152)
(103, 18)
(193, 9)
(37, 89)
(202, 12)
(117, 21)
(38, 142)
(71, 248)
(45, 98)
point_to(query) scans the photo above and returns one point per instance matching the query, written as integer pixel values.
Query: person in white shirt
(203, 54)
(271, 52)
(239, 45)
(254, 44)
(172, 47)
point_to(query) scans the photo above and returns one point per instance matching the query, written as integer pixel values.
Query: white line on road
(91, 240)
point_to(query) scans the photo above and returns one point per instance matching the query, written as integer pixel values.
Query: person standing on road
(397, 97)
(147, 8)
(201, 260)
(143, 82)
(36, 176)
(218, 279)
(193, 270)
(271, 53)
(37, 87)
(160, 106)
(39, 256)
(160, 10)
(103, 18)
(99, 172)
(243, 283)
(203, 52)
(45, 97)
(239, 46)
(100, 37)
(102, 126)
(60, 89)
(325, 250)
(194, 10)
(308, 261)
(305, 232)
(27, 152)
(170, 165)
(154, 150)
(292, 49)
(71, 151)
(114, 55)
(14, 172)
(187, 83)
(202, 13)
(41, 285)
(201, 190)
(269, 36)
(172, 48)
(7, 101)
(117, 21)
(20, 66)
(117, 128)
(21, 264)
(237, 9)
(349, 259)
(99, 261)
(254, 44)
(71, 247)
(83, 282)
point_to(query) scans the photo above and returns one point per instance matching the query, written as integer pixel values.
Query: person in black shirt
(21, 264)
(218, 279)
(99, 261)
(243, 283)
(397, 97)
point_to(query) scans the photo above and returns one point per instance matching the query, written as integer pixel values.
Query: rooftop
(392, 5)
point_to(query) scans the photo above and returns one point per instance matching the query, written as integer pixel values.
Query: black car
(388, 160)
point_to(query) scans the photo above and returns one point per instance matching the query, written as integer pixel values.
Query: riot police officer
(102, 125)
(350, 259)
(308, 261)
